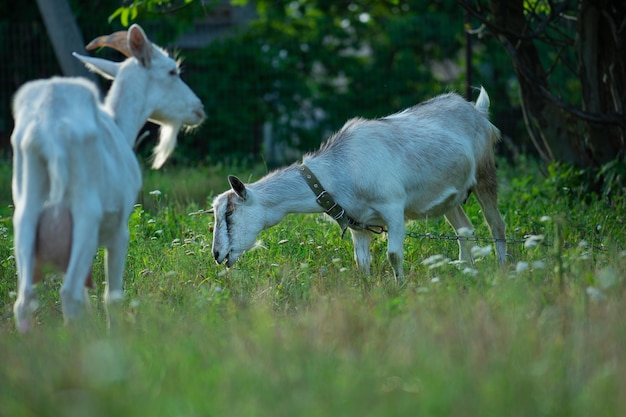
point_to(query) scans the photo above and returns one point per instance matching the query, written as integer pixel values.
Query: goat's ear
(238, 187)
(140, 46)
(108, 69)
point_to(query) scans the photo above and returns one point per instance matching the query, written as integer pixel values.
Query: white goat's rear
(423, 161)
(75, 175)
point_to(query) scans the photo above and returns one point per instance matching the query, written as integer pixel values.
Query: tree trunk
(552, 130)
(601, 48)
(65, 36)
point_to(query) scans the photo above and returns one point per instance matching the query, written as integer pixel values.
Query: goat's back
(61, 124)
(54, 118)
(48, 94)
(52, 102)
(445, 122)
(427, 155)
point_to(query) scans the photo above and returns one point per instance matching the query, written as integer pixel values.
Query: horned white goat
(75, 175)
(423, 161)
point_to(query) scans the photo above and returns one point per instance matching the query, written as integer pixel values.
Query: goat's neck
(127, 102)
(283, 192)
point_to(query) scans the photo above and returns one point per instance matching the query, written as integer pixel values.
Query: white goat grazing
(75, 175)
(423, 161)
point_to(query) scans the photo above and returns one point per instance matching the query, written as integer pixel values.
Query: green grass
(293, 330)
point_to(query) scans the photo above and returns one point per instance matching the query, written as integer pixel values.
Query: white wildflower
(607, 277)
(481, 251)
(521, 267)
(433, 259)
(533, 240)
(472, 272)
(539, 265)
(155, 193)
(545, 219)
(595, 294)
(443, 262)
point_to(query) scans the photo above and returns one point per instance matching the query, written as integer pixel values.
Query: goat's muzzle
(219, 260)
(199, 114)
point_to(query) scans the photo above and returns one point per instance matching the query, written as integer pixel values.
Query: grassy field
(293, 330)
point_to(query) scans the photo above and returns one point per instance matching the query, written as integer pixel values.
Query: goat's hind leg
(115, 259)
(84, 247)
(25, 225)
(28, 192)
(463, 228)
(486, 192)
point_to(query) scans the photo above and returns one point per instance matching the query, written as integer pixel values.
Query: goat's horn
(116, 40)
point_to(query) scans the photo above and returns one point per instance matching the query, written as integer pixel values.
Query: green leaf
(134, 12)
(124, 17)
(115, 14)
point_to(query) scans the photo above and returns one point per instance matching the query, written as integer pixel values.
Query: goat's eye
(173, 72)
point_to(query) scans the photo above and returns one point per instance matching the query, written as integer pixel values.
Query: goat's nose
(200, 112)
(216, 255)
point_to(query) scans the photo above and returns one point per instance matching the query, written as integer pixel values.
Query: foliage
(303, 68)
(294, 330)
(571, 91)
(300, 70)
(184, 9)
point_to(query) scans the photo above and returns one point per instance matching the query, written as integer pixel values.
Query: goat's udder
(53, 244)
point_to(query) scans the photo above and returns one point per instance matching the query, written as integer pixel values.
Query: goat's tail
(56, 162)
(482, 103)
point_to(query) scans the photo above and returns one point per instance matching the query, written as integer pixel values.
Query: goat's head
(172, 103)
(239, 218)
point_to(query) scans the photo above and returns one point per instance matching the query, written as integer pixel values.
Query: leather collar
(331, 207)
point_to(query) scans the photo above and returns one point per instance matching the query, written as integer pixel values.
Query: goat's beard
(166, 145)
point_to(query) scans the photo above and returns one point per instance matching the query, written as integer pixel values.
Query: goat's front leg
(459, 221)
(395, 244)
(115, 258)
(361, 240)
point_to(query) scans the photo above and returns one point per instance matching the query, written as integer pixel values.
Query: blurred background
(278, 77)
